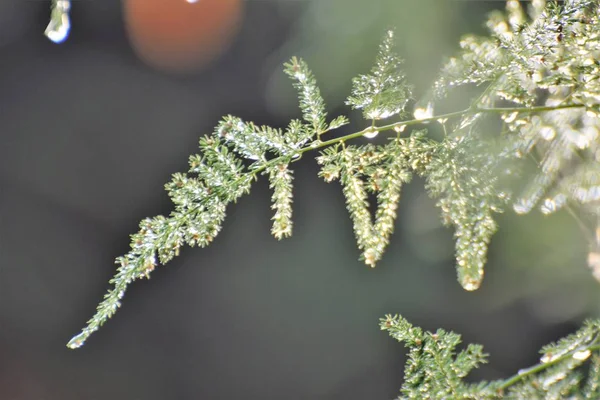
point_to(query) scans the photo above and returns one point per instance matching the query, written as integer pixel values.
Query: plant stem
(469, 111)
(474, 110)
(524, 373)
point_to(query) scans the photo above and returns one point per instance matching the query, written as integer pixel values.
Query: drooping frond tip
(280, 178)
(463, 175)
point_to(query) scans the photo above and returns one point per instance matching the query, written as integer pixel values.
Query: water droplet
(548, 357)
(582, 355)
(552, 379)
(551, 205)
(470, 286)
(547, 132)
(523, 371)
(587, 195)
(589, 61)
(59, 26)
(523, 206)
(593, 260)
(380, 114)
(371, 133)
(424, 112)
(592, 113)
(470, 283)
(77, 341)
(518, 153)
(510, 117)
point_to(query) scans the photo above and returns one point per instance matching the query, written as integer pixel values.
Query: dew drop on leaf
(553, 379)
(471, 283)
(511, 117)
(371, 133)
(523, 206)
(582, 355)
(550, 205)
(76, 342)
(424, 112)
(547, 132)
(59, 26)
(548, 357)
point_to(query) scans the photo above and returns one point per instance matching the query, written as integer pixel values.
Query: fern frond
(547, 66)
(384, 92)
(217, 177)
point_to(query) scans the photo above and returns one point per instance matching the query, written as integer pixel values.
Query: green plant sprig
(112, 301)
(435, 369)
(554, 88)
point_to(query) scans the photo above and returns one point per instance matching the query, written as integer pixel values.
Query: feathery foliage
(539, 68)
(548, 59)
(217, 177)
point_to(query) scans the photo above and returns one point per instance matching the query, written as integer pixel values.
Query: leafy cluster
(436, 369)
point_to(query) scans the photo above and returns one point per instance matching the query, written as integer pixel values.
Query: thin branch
(526, 372)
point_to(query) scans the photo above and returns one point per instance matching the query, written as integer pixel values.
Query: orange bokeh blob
(181, 35)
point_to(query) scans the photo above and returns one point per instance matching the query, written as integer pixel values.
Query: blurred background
(91, 129)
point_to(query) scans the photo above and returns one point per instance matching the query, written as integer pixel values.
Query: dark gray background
(88, 137)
